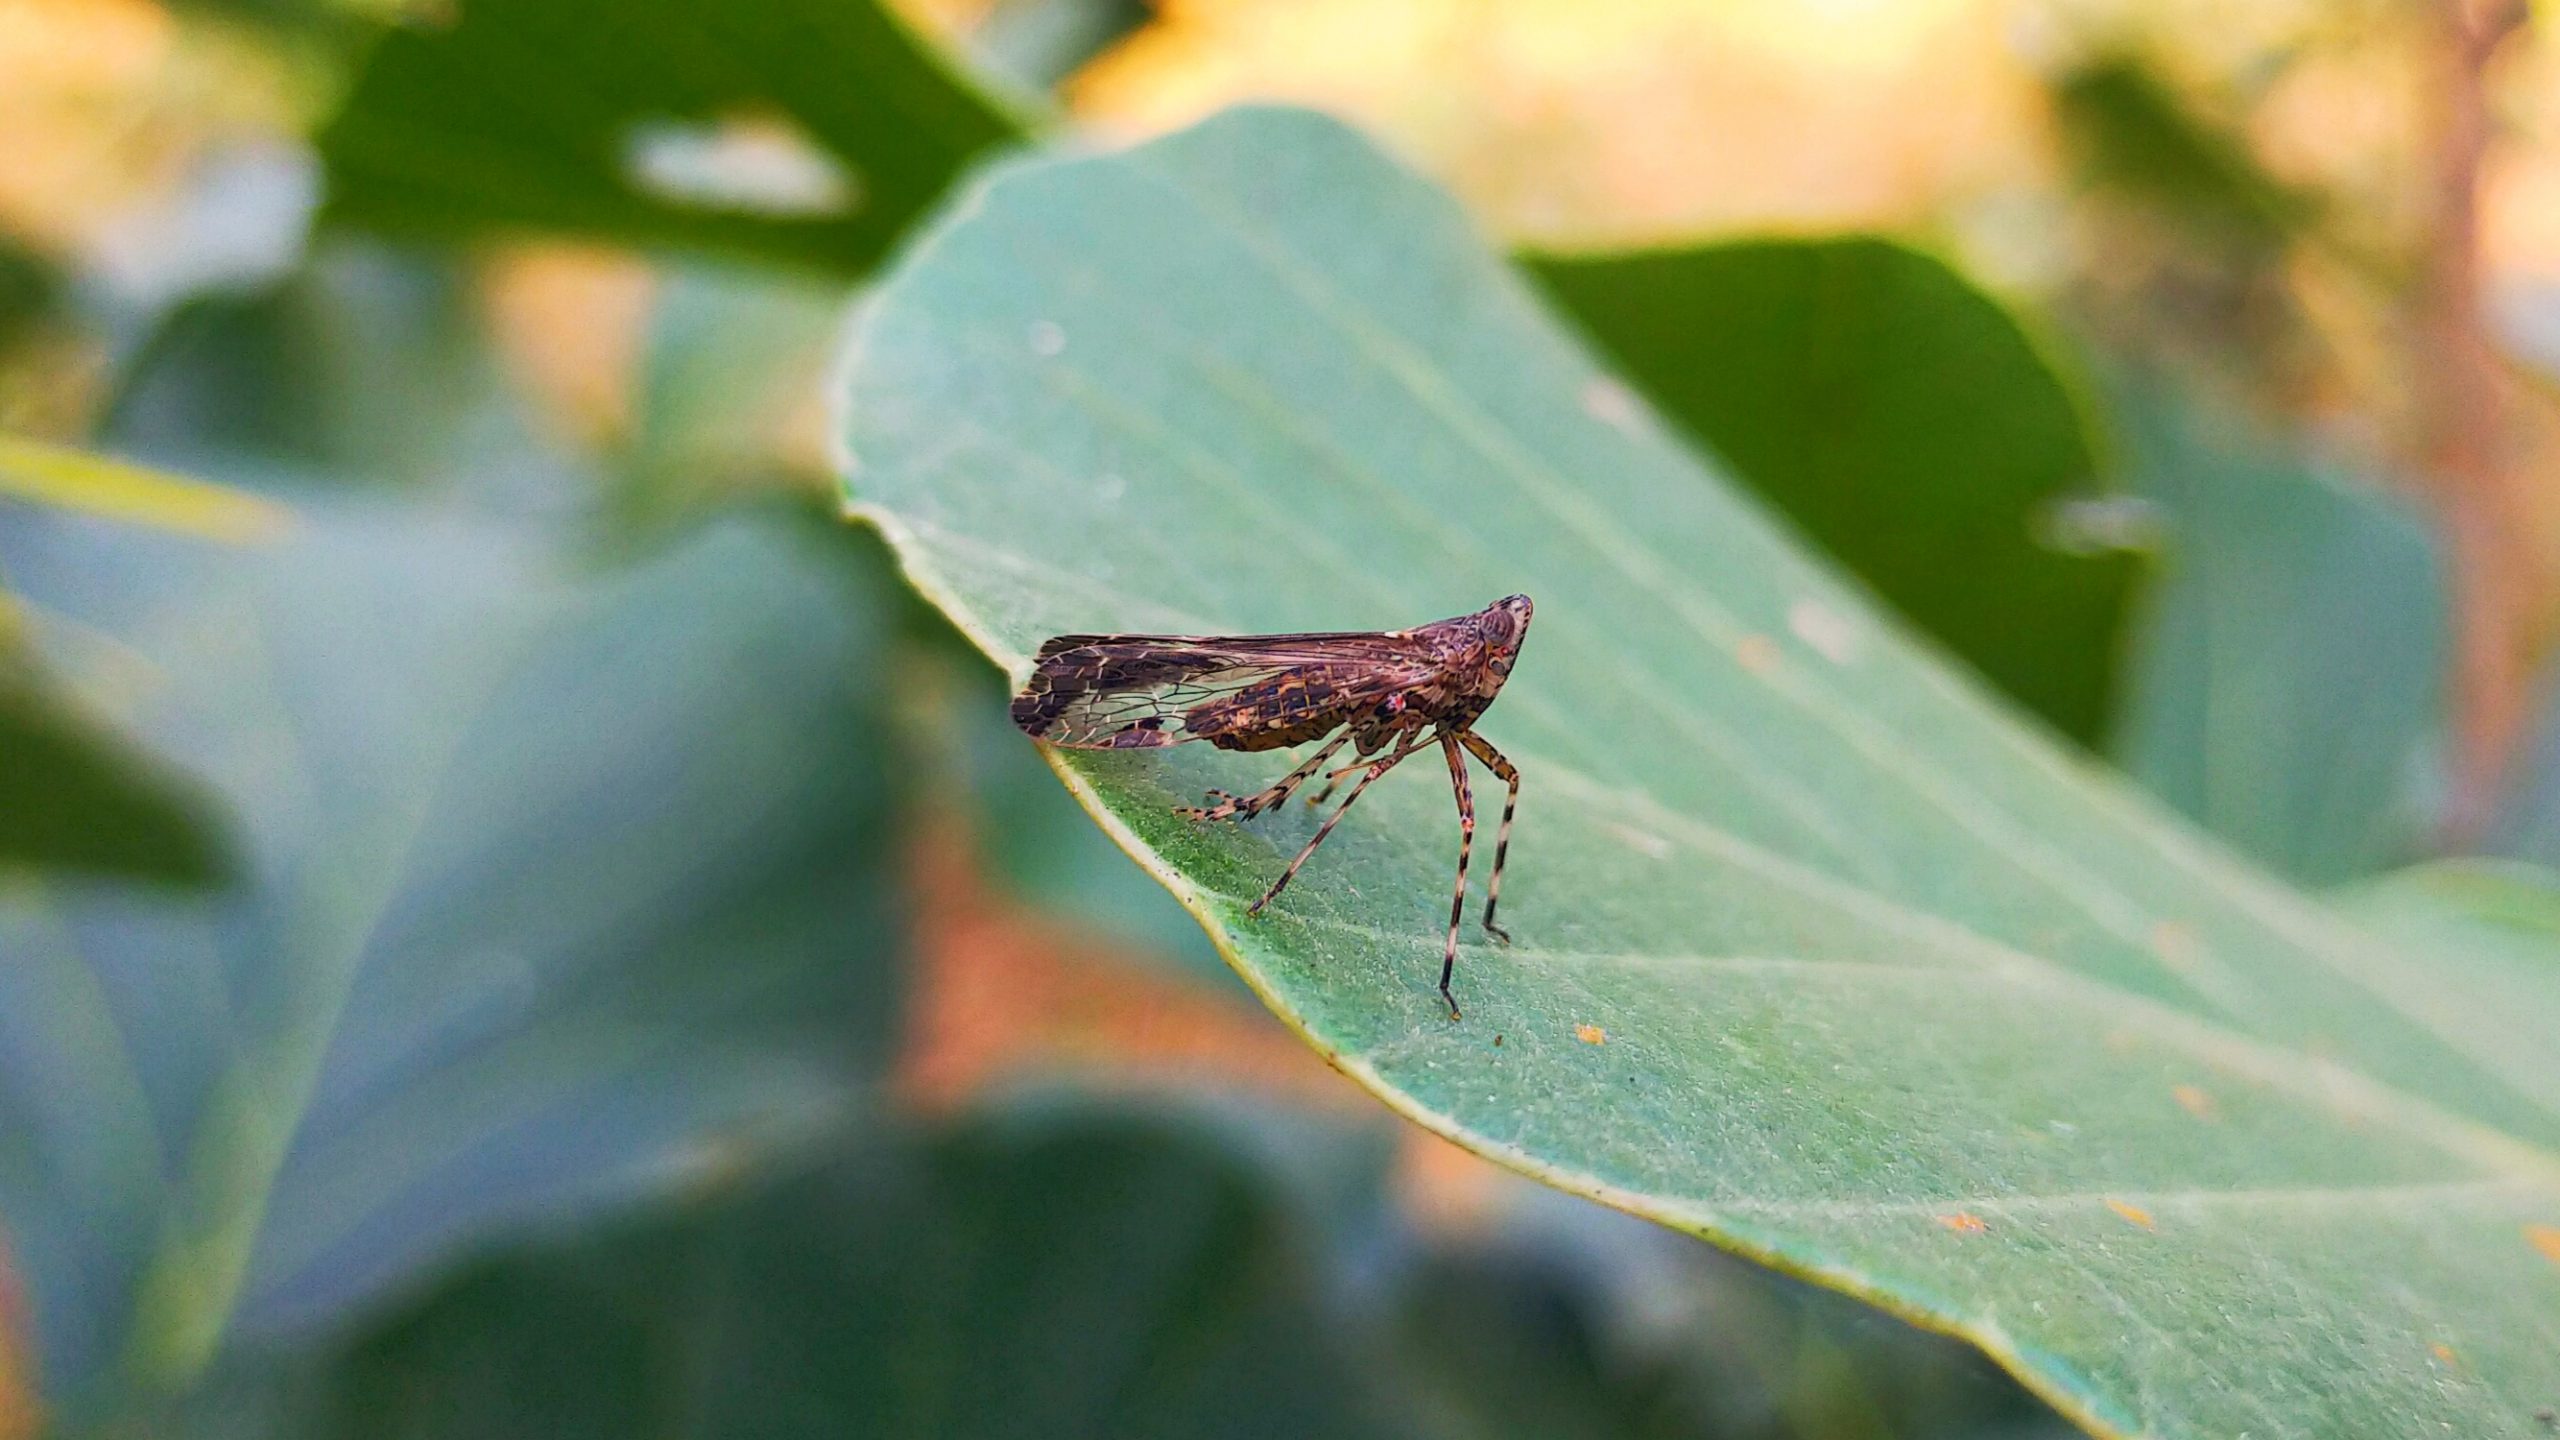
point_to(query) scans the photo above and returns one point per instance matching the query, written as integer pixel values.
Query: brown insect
(1390, 693)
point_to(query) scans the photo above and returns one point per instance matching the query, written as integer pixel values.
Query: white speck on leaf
(1610, 403)
(1833, 635)
(1643, 842)
(1047, 338)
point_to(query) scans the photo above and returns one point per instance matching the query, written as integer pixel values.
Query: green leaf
(2129, 131)
(1884, 989)
(2288, 667)
(1036, 1276)
(559, 887)
(2490, 932)
(1899, 415)
(805, 131)
(77, 798)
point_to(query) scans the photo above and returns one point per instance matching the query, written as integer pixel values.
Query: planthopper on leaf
(1390, 691)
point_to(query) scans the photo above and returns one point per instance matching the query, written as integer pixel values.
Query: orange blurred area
(1004, 995)
(19, 1416)
(1621, 120)
(105, 103)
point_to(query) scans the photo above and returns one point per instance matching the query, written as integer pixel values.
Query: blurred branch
(2476, 486)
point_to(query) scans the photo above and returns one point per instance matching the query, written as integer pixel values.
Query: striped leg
(1466, 843)
(1229, 806)
(1503, 770)
(1332, 782)
(1375, 769)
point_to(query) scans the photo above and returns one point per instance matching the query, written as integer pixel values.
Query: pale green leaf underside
(1895, 993)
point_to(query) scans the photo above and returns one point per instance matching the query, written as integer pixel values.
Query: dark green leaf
(30, 291)
(559, 887)
(2132, 133)
(1881, 988)
(2289, 666)
(75, 797)
(1100, 1278)
(1897, 414)
(805, 131)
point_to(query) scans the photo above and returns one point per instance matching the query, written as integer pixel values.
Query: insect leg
(1509, 774)
(1372, 771)
(1249, 806)
(1332, 782)
(1333, 779)
(1466, 843)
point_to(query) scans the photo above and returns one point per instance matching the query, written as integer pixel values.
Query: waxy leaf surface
(1821, 953)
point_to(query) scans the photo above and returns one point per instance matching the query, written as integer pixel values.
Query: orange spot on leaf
(1963, 1222)
(2195, 1101)
(2545, 1239)
(2444, 1353)
(2133, 1213)
(1590, 1034)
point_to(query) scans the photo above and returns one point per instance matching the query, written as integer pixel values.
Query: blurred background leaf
(77, 798)
(2289, 669)
(2128, 130)
(1095, 1275)
(1902, 419)
(555, 886)
(806, 132)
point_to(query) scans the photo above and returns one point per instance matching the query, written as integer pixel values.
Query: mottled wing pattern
(1242, 692)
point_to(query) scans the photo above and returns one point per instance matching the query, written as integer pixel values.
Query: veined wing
(1140, 691)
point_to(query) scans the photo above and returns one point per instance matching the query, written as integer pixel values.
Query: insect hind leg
(1226, 806)
(1509, 775)
(1368, 774)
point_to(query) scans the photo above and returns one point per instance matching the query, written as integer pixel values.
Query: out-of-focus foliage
(1901, 418)
(2129, 132)
(722, 404)
(2528, 826)
(808, 132)
(364, 364)
(32, 472)
(29, 291)
(2289, 666)
(1114, 1269)
(554, 886)
(1083, 1277)
(75, 797)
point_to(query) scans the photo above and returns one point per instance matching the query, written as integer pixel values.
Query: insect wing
(1139, 691)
